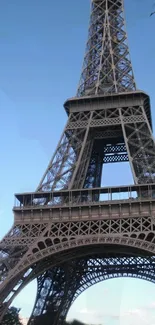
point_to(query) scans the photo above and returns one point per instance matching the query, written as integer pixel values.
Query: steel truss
(71, 233)
(84, 146)
(107, 66)
(45, 237)
(53, 301)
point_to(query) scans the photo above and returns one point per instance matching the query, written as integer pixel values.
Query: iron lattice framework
(107, 66)
(71, 232)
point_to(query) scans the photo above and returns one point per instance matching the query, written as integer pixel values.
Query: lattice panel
(80, 274)
(100, 269)
(107, 66)
(140, 146)
(72, 165)
(115, 158)
(56, 232)
(62, 165)
(63, 232)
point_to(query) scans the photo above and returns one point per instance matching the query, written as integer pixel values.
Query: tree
(74, 322)
(11, 317)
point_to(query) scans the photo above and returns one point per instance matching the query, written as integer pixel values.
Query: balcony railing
(85, 196)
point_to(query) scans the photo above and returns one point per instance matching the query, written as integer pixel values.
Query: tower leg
(56, 289)
(60, 286)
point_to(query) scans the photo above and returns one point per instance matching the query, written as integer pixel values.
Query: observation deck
(86, 204)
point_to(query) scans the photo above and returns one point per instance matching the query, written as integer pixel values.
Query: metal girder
(51, 229)
(107, 65)
(56, 289)
(75, 231)
(59, 287)
(140, 146)
(71, 233)
(115, 158)
(51, 295)
(78, 160)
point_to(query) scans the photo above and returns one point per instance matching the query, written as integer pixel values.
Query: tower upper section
(107, 67)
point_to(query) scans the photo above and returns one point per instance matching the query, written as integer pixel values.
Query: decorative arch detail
(33, 257)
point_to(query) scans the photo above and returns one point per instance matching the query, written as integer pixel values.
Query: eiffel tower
(71, 232)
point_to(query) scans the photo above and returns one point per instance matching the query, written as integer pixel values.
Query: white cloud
(150, 306)
(136, 316)
(89, 316)
(87, 312)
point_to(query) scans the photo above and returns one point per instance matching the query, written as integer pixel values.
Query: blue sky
(42, 44)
